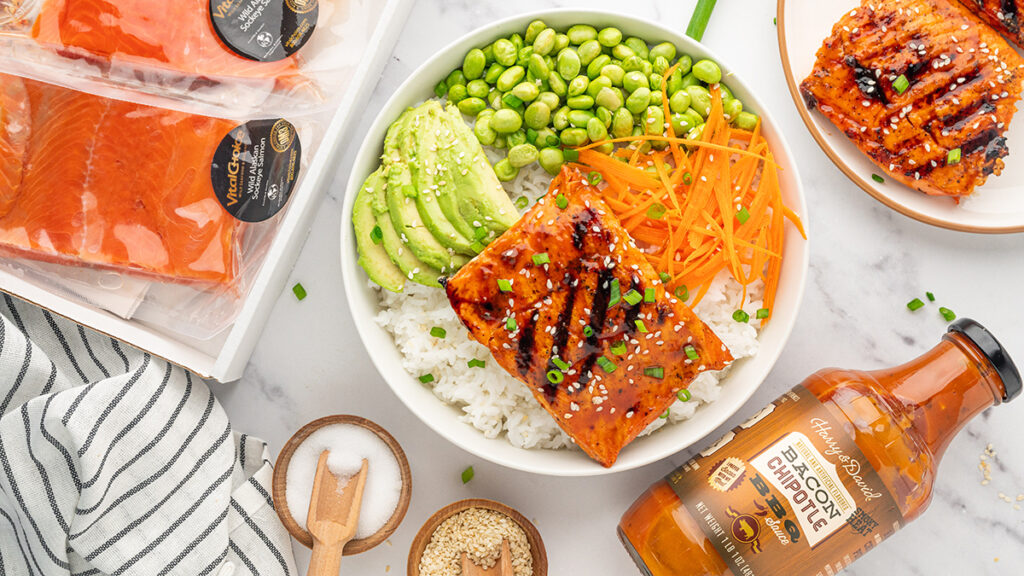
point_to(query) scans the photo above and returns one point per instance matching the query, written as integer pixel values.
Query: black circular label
(255, 168)
(264, 30)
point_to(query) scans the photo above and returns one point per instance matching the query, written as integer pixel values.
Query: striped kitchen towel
(115, 462)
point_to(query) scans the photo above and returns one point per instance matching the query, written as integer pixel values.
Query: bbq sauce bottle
(825, 473)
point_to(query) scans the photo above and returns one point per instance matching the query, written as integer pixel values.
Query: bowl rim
(353, 275)
(862, 182)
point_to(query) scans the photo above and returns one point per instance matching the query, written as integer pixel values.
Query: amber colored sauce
(902, 419)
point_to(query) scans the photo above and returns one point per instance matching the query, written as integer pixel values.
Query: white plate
(995, 208)
(444, 419)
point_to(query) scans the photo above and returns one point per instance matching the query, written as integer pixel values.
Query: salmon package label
(255, 168)
(264, 30)
(796, 497)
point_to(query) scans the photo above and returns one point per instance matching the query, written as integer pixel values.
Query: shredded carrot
(700, 206)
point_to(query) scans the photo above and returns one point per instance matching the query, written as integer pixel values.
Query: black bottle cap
(994, 351)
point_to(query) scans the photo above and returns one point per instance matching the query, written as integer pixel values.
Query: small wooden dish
(419, 544)
(281, 482)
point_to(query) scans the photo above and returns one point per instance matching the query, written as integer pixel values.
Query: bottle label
(255, 168)
(795, 496)
(264, 30)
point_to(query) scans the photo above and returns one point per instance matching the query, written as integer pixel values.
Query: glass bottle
(824, 474)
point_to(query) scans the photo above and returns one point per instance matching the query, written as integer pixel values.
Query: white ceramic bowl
(746, 376)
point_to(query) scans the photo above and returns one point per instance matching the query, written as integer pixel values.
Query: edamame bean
(633, 80)
(545, 42)
(588, 51)
(560, 119)
(681, 124)
(551, 160)
(746, 121)
(472, 106)
(595, 66)
(493, 73)
(605, 116)
(547, 137)
(622, 123)
(573, 137)
(578, 86)
(638, 46)
(696, 133)
(455, 78)
(516, 138)
(660, 65)
(522, 154)
(478, 88)
(441, 89)
(505, 52)
(596, 130)
(517, 41)
(700, 100)
(489, 54)
(679, 101)
(509, 78)
(537, 115)
(457, 93)
(549, 99)
(561, 42)
(656, 98)
(506, 121)
(648, 68)
(523, 56)
(689, 80)
(581, 33)
(666, 50)
(695, 118)
(684, 64)
(568, 64)
(474, 63)
(610, 98)
(726, 92)
(657, 81)
(633, 64)
(615, 73)
(581, 102)
(732, 108)
(639, 100)
(579, 118)
(675, 82)
(707, 71)
(505, 171)
(654, 120)
(621, 52)
(557, 85)
(494, 99)
(609, 37)
(539, 67)
(535, 28)
(606, 147)
(482, 128)
(526, 91)
(598, 84)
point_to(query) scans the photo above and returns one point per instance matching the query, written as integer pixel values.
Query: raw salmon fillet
(95, 181)
(576, 322)
(175, 35)
(910, 81)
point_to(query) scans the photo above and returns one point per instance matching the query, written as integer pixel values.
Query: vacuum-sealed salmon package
(146, 211)
(237, 54)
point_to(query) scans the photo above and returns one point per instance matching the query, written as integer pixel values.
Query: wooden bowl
(419, 545)
(281, 482)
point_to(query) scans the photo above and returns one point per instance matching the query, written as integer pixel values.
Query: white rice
(498, 404)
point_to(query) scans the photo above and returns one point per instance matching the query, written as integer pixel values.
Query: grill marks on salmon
(963, 83)
(560, 330)
(1003, 15)
(112, 184)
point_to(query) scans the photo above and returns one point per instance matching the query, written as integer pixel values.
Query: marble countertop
(866, 263)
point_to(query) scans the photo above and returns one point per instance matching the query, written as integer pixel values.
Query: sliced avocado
(410, 266)
(372, 255)
(418, 146)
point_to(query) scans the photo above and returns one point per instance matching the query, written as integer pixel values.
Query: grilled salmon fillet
(560, 301)
(1003, 15)
(923, 87)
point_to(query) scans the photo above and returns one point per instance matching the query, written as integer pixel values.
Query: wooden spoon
(333, 517)
(503, 567)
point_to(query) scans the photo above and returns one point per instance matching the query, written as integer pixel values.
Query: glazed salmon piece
(910, 81)
(574, 324)
(1003, 15)
(118, 185)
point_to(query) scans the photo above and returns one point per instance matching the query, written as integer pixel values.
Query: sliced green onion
(915, 304)
(687, 178)
(616, 293)
(571, 155)
(743, 215)
(691, 352)
(588, 331)
(594, 178)
(541, 259)
(477, 247)
(619, 348)
(467, 475)
(555, 376)
(684, 395)
(878, 178)
(427, 378)
(504, 284)
(641, 327)
(763, 313)
(649, 295)
(606, 364)
(512, 100)
(531, 135)
(562, 364)
(522, 202)
(655, 372)
(474, 363)
(632, 297)
(561, 201)
(682, 292)
(901, 84)
(699, 20)
(665, 277)
(656, 211)
(947, 314)
(299, 292)
(931, 297)
(438, 332)
(664, 416)
(376, 235)
(741, 316)
(480, 233)
(511, 325)
(953, 157)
